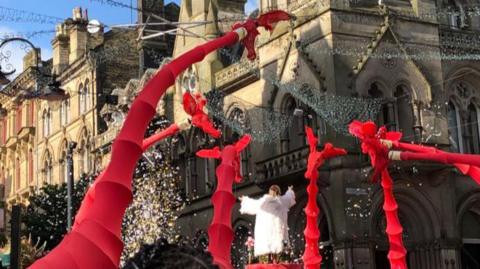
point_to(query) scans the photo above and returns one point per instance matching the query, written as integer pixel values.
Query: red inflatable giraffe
(311, 257)
(220, 232)
(98, 234)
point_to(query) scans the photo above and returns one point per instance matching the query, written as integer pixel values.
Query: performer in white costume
(271, 224)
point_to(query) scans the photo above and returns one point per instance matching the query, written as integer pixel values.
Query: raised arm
(249, 205)
(288, 199)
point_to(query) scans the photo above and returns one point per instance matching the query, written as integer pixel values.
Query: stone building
(17, 131)
(35, 133)
(390, 50)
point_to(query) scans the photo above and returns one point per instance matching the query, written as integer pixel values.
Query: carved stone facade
(334, 48)
(35, 132)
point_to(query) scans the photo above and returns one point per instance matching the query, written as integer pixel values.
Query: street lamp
(51, 93)
(69, 158)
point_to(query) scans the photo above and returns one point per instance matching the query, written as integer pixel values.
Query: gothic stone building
(332, 48)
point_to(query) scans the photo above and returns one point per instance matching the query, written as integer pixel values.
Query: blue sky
(63, 9)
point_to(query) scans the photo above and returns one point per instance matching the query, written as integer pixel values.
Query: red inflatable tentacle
(397, 252)
(373, 143)
(170, 131)
(443, 157)
(468, 168)
(220, 232)
(311, 256)
(113, 188)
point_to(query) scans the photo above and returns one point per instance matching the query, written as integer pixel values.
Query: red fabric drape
(311, 256)
(220, 233)
(371, 144)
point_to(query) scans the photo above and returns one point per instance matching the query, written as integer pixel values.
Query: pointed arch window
(386, 116)
(454, 129)
(84, 154)
(404, 118)
(472, 126)
(65, 113)
(47, 169)
(293, 137)
(46, 120)
(64, 163)
(87, 94)
(81, 99)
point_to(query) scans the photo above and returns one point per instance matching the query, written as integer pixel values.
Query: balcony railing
(235, 72)
(282, 165)
(106, 137)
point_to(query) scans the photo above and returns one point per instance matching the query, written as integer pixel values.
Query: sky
(97, 9)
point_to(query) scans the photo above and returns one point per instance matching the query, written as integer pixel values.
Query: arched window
(64, 163)
(386, 116)
(470, 223)
(472, 126)
(81, 99)
(30, 166)
(454, 129)
(293, 137)
(179, 158)
(46, 120)
(47, 169)
(200, 181)
(404, 118)
(87, 93)
(84, 154)
(238, 118)
(65, 113)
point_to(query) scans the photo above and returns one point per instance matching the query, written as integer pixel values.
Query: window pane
(472, 126)
(454, 136)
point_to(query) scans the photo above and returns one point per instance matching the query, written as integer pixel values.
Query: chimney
(78, 35)
(61, 49)
(32, 58)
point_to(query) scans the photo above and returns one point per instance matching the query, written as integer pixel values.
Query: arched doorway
(297, 238)
(469, 227)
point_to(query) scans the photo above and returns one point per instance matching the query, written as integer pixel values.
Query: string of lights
(17, 15)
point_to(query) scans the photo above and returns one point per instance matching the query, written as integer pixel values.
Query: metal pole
(15, 237)
(69, 157)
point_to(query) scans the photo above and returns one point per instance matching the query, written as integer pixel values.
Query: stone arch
(297, 225)
(470, 201)
(468, 216)
(415, 210)
(383, 87)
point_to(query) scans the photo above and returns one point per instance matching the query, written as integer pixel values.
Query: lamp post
(51, 93)
(71, 146)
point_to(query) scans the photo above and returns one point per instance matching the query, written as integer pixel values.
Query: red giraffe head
(371, 137)
(193, 104)
(266, 20)
(316, 158)
(230, 154)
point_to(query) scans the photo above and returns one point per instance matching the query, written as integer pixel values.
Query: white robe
(271, 223)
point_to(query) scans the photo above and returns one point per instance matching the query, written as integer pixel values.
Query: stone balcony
(237, 72)
(106, 138)
(26, 132)
(282, 165)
